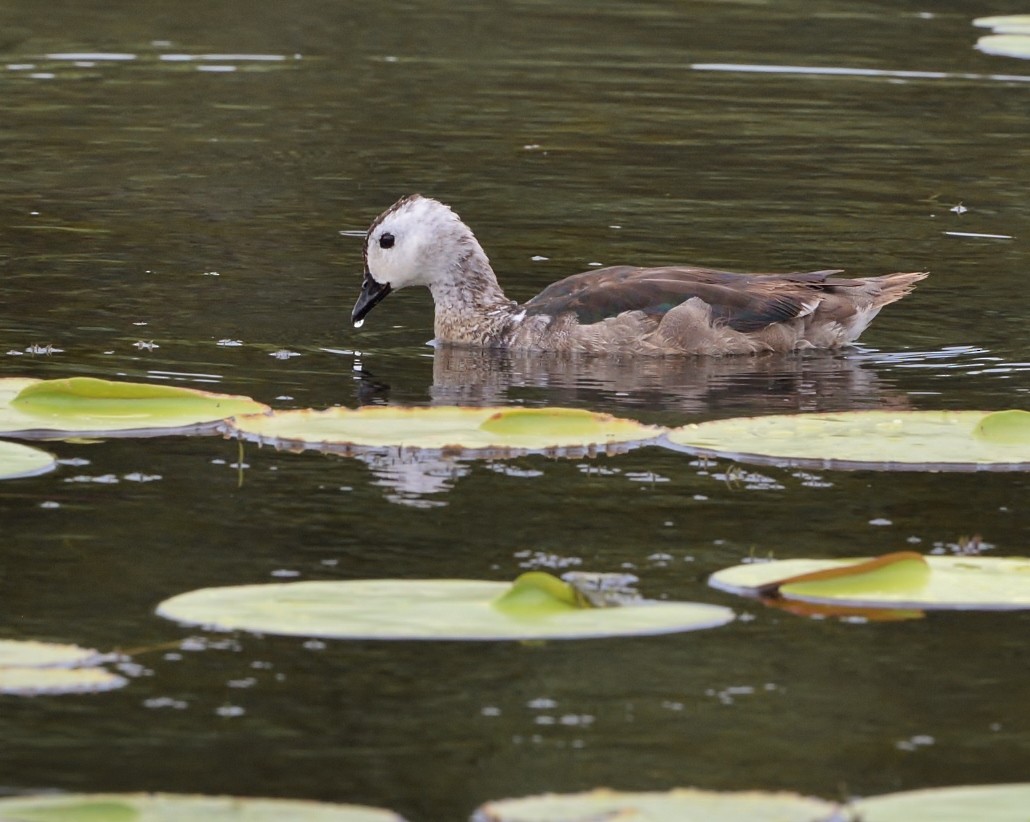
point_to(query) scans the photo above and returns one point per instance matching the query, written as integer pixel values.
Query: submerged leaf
(166, 807)
(83, 405)
(442, 428)
(678, 805)
(877, 440)
(18, 460)
(949, 583)
(451, 609)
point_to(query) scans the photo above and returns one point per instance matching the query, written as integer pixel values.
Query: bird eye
(386, 241)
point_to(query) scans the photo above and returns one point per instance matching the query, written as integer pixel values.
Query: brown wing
(744, 302)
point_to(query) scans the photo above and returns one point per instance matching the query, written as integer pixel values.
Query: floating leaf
(877, 440)
(165, 807)
(453, 609)
(1005, 23)
(904, 572)
(1005, 427)
(29, 668)
(18, 460)
(53, 681)
(442, 428)
(679, 805)
(29, 653)
(1005, 45)
(953, 583)
(983, 803)
(84, 405)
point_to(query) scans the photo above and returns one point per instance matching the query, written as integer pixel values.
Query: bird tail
(892, 287)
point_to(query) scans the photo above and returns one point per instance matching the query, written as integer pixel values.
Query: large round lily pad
(1005, 23)
(17, 460)
(442, 428)
(983, 803)
(1005, 45)
(877, 440)
(29, 668)
(163, 807)
(944, 583)
(680, 805)
(84, 405)
(441, 609)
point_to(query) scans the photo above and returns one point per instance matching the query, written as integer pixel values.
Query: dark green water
(154, 200)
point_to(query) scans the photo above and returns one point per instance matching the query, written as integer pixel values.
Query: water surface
(173, 184)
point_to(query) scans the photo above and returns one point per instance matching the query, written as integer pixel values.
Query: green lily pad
(1005, 428)
(29, 668)
(447, 428)
(1005, 23)
(54, 681)
(875, 440)
(18, 460)
(947, 583)
(984, 803)
(441, 609)
(84, 405)
(29, 653)
(1006, 45)
(165, 807)
(679, 805)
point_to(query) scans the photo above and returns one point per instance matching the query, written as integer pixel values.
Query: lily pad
(1006, 45)
(1005, 23)
(54, 681)
(947, 583)
(18, 460)
(442, 428)
(441, 609)
(874, 440)
(679, 805)
(984, 803)
(29, 668)
(164, 807)
(84, 405)
(29, 653)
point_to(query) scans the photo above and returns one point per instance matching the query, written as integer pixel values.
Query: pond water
(174, 185)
